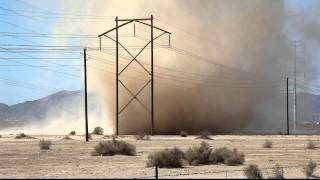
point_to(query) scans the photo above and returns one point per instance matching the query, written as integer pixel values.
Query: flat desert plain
(22, 158)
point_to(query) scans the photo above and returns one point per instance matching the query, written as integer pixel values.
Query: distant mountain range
(70, 104)
(63, 103)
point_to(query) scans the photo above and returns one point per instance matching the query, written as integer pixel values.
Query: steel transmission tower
(143, 21)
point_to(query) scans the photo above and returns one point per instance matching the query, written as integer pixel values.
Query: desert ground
(22, 158)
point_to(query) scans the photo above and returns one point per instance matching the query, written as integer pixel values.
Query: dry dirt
(71, 158)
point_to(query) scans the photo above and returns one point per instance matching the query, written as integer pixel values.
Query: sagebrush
(183, 134)
(308, 170)
(252, 171)
(267, 144)
(98, 130)
(199, 155)
(167, 158)
(72, 133)
(45, 144)
(113, 147)
(311, 145)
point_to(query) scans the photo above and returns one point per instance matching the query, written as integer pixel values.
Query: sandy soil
(71, 158)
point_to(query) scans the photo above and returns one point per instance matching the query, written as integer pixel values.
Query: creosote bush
(267, 144)
(98, 130)
(113, 147)
(72, 133)
(308, 170)
(45, 144)
(166, 158)
(184, 134)
(252, 171)
(311, 145)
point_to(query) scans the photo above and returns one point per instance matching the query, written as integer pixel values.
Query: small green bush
(199, 155)
(98, 130)
(184, 134)
(311, 145)
(167, 158)
(252, 171)
(45, 144)
(267, 144)
(113, 147)
(308, 170)
(72, 133)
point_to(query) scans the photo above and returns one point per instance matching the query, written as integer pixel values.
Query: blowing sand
(72, 159)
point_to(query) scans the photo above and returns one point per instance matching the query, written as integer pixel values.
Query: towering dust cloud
(242, 95)
(246, 36)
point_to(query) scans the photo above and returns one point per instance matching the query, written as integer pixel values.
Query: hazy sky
(24, 78)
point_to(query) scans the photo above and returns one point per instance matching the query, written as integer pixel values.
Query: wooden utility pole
(85, 93)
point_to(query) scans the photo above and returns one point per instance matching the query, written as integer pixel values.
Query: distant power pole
(143, 21)
(85, 93)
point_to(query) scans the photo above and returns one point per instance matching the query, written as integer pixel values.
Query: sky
(26, 75)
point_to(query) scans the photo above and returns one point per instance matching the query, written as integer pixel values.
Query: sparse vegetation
(23, 136)
(113, 147)
(167, 158)
(308, 170)
(235, 158)
(184, 134)
(267, 144)
(72, 133)
(311, 145)
(220, 155)
(45, 144)
(98, 130)
(205, 134)
(252, 171)
(142, 136)
(199, 155)
(277, 173)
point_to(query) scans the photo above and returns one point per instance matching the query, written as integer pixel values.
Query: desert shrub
(98, 130)
(199, 154)
(72, 133)
(142, 136)
(308, 170)
(252, 171)
(0, 136)
(220, 155)
(277, 173)
(311, 145)
(23, 136)
(113, 147)
(167, 158)
(205, 134)
(183, 134)
(45, 144)
(267, 144)
(235, 158)
(67, 138)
